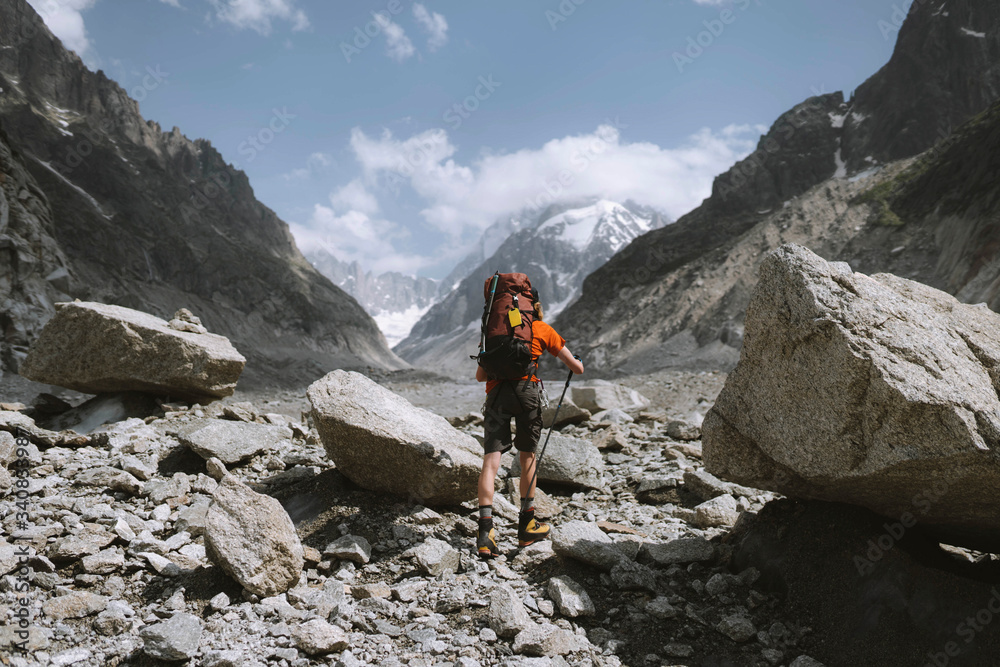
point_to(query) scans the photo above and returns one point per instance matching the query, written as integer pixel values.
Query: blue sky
(397, 147)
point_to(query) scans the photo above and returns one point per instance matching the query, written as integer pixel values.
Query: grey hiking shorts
(519, 400)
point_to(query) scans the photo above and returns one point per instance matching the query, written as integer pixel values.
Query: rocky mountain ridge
(669, 309)
(557, 252)
(112, 209)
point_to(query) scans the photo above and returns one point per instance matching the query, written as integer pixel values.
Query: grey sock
(527, 504)
(486, 511)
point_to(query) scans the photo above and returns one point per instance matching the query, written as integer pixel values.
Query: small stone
(805, 661)
(547, 640)
(435, 556)
(219, 602)
(571, 597)
(682, 430)
(103, 562)
(661, 608)
(682, 551)
(350, 547)
(75, 605)
(216, 468)
(379, 589)
(177, 638)
(317, 637)
(719, 511)
(507, 615)
(737, 628)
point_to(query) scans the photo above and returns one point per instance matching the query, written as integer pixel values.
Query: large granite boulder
(99, 348)
(252, 538)
(381, 442)
(876, 391)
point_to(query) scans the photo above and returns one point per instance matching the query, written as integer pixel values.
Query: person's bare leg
(527, 486)
(487, 478)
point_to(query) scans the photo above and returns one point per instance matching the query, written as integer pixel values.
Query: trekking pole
(555, 416)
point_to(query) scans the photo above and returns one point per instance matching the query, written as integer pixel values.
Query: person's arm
(567, 358)
(480, 374)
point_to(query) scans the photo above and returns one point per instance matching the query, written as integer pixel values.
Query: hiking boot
(530, 531)
(486, 543)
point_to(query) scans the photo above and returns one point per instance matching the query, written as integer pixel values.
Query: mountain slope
(154, 221)
(395, 301)
(624, 313)
(557, 252)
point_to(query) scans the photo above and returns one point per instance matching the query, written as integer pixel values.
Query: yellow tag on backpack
(514, 315)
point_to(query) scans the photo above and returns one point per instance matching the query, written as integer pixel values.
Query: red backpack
(505, 340)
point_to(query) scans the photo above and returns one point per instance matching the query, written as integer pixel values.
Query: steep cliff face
(151, 220)
(945, 68)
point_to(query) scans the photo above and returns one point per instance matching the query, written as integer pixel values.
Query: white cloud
(397, 45)
(172, 3)
(354, 196)
(258, 14)
(356, 236)
(462, 198)
(315, 163)
(435, 25)
(713, 3)
(64, 19)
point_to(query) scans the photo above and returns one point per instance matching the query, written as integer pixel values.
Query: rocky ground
(638, 572)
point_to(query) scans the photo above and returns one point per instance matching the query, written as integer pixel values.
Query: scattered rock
(317, 637)
(719, 511)
(507, 615)
(586, 542)
(174, 639)
(569, 413)
(110, 478)
(737, 628)
(98, 348)
(381, 442)
(547, 640)
(74, 605)
(252, 538)
(435, 556)
(612, 416)
(600, 395)
(568, 460)
(682, 430)
(229, 441)
(350, 547)
(570, 597)
(682, 551)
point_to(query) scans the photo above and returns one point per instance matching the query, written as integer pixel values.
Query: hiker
(519, 399)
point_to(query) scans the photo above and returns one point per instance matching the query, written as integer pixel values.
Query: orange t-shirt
(543, 337)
